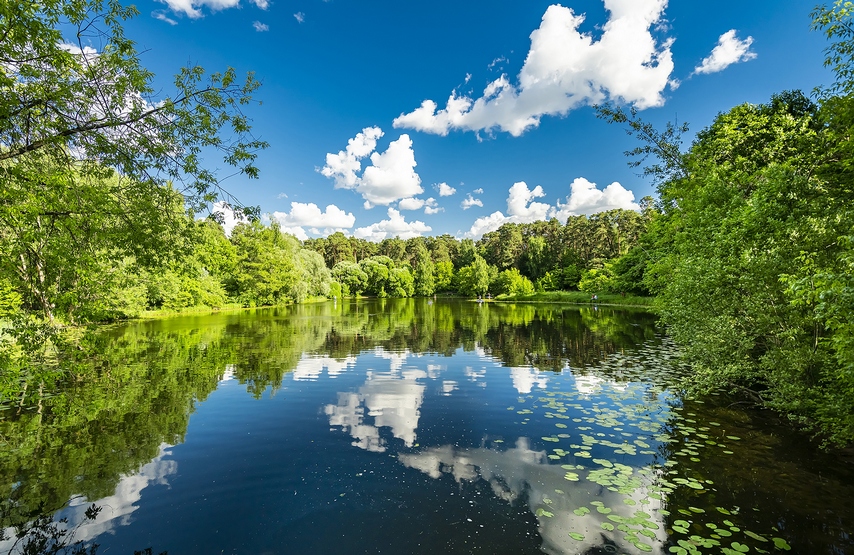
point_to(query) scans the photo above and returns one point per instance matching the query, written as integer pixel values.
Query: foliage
(51, 75)
(597, 280)
(266, 267)
(444, 275)
(512, 282)
(473, 280)
(350, 275)
(746, 256)
(384, 278)
(835, 22)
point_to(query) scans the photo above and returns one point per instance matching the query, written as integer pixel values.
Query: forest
(748, 248)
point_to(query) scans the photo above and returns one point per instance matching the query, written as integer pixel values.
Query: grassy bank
(230, 307)
(580, 297)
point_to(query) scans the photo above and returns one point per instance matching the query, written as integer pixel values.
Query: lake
(413, 426)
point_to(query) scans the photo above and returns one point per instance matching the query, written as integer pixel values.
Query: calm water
(410, 426)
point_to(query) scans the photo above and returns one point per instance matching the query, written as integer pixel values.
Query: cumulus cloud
(390, 177)
(470, 201)
(193, 8)
(411, 204)
(565, 69)
(260, 27)
(445, 190)
(395, 226)
(729, 50)
(478, 191)
(299, 16)
(584, 198)
(309, 215)
(521, 205)
(158, 14)
(429, 205)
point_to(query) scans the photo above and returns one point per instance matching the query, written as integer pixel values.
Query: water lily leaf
(780, 543)
(576, 536)
(755, 536)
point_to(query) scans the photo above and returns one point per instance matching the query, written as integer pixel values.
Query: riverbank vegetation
(748, 249)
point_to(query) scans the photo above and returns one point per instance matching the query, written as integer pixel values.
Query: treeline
(258, 265)
(515, 259)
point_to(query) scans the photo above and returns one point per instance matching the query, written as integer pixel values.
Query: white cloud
(520, 203)
(584, 198)
(729, 50)
(281, 196)
(445, 190)
(308, 215)
(429, 205)
(260, 27)
(470, 201)
(395, 226)
(342, 167)
(478, 191)
(520, 209)
(411, 204)
(193, 8)
(565, 69)
(487, 224)
(299, 16)
(157, 14)
(496, 62)
(391, 176)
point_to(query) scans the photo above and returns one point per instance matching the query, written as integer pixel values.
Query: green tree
(512, 282)
(351, 277)
(597, 280)
(474, 279)
(425, 279)
(314, 277)
(378, 270)
(444, 275)
(266, 267)
(88, 183)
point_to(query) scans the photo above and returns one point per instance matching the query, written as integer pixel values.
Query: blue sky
(343, 72)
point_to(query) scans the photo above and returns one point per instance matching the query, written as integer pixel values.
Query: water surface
(413, 426)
